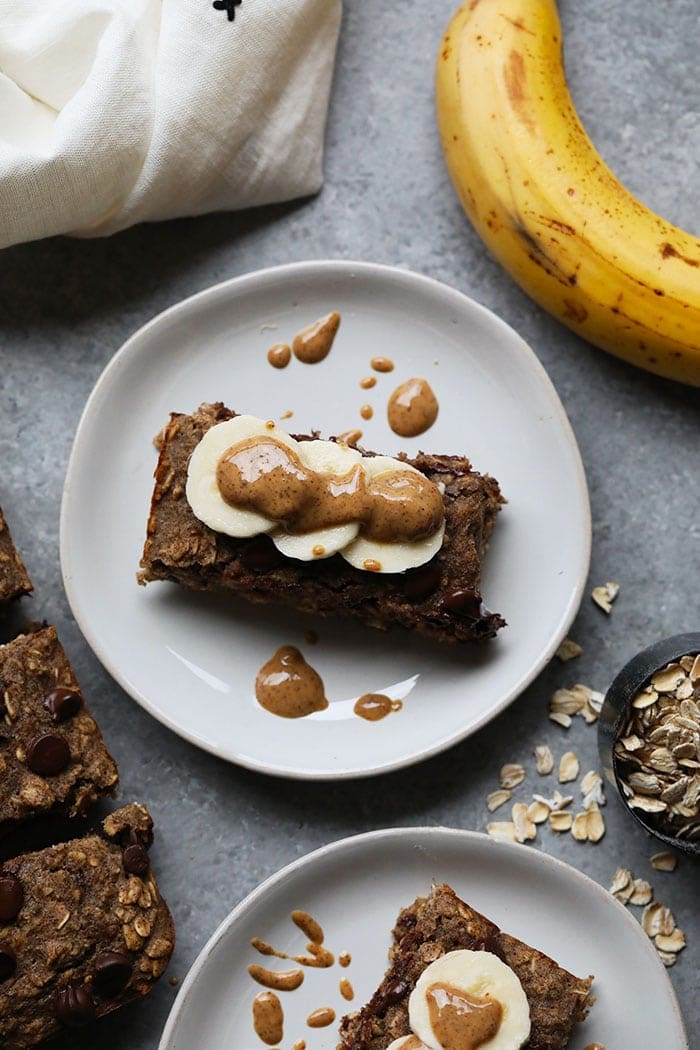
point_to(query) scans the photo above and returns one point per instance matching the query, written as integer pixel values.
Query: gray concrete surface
(66, 306)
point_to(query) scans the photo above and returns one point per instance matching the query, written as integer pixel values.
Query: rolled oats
(495, 799)
(568, 767)
(545, 760)
(511, 775)
(568, 650)
(657, 751)
(605, 595)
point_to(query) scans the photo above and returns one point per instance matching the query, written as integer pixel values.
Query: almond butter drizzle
(382, 364)
(268, 1018)
(344, 959)
(280, 980)
(346, 989)
(279, 355)
(375, 706)
(313, 343)
(368, 382)
(318, 957)
(267, 477)
(321, 1018)
(289, 687)
(308, 926)
(412, 408)
(366, 411)
(461, 1021)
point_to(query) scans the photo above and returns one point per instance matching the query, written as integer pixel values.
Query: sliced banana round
(377, 556)
(323, 457)
(481, 975)
(202, 490)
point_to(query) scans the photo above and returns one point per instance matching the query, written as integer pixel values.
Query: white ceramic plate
(191, 659)
(355, 889)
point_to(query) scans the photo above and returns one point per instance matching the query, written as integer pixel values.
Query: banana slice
(202, 490)
(391, 557)
(482, 976)
(323, 457)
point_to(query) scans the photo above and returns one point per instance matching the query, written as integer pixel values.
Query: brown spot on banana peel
(515, 78)
(537, 254)
(669, 252)
(519, 24)
(574, 312)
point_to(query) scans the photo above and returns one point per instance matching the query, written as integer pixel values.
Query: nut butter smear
(374, 706)
(287, 686)
(413, 408)
(280, 980)
(346, 989)
(308, 926)
(263, 475)
(321, 1018)
(461, 1021)
(268, 1018)
(313, 344)
(279, 355)
(382, 364)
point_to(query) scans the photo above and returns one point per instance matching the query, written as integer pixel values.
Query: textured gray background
(66, 306)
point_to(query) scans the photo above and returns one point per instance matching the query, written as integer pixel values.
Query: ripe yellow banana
(545, 203)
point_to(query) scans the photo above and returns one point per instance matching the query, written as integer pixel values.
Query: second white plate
(355, 889)
(191, 659)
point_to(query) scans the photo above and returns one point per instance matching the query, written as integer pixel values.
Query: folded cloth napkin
(114, 112)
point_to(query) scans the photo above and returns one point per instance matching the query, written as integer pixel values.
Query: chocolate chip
(261, 555)
(393, 993)
(48, 754)
(135, 860)
(8, 963)
(112, 973)
(464, 603)
(63, 704)
(421, 582)
(74, 1006)
(11, 897)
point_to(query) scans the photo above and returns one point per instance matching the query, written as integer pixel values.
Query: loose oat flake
(525, 829)
(503, 830)
(568, 650)
(496, 799)
(604, 596)
(511, 775)
(664, 861)
(561, 820)
(545, 760)
(568, 767)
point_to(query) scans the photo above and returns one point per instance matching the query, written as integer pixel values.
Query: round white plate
(355, 889)
(191, 659)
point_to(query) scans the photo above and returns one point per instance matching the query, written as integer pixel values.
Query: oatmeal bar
(52, 755)
(442, 923)
(440, 599)
(14, 580)
(83, 930)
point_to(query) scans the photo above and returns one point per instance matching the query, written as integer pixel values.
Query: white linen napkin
(114, 112)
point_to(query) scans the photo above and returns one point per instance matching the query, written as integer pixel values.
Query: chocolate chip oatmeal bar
(14, 580)
(440, 923)
(440, 599)
(52, 755)
(83, 930)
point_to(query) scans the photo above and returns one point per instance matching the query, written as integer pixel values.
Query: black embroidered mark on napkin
(229, 6)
